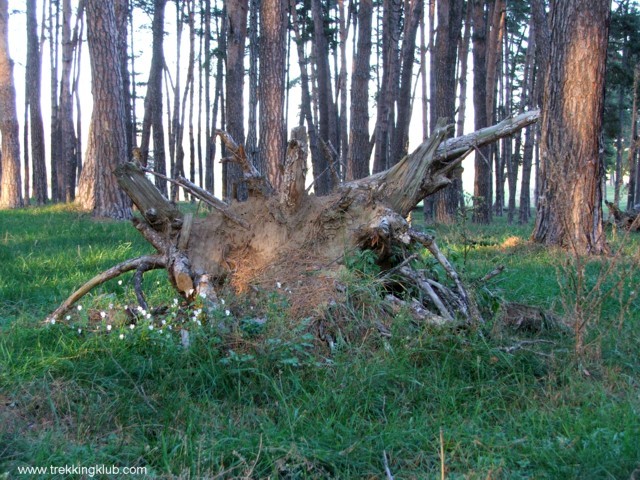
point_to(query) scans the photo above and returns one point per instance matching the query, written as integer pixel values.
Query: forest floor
(261, 396)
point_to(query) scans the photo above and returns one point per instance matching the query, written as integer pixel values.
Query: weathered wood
(433, 164)
(146, 262)
(295, 170)
(256, 182)
(625, 220)
(161, 214)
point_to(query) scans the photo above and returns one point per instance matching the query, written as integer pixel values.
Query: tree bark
(33, 92)
(236, 35)
(359, 151)
(569, 211)
(152, 120)
(98, 190)
(272, 89)
(446, 202)
(482, 190)
(11, 185)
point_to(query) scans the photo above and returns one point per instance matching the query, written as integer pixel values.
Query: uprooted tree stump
(629, 220)
(287, 236)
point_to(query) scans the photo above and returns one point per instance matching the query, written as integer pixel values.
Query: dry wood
(146, 262)
(625, 220)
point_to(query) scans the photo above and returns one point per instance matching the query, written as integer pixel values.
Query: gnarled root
(140, 264)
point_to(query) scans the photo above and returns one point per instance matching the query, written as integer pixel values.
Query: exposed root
(144, 263)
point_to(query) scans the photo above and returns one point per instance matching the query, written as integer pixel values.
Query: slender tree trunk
(632, 199)
(272, 89)
(254, 52)
(11, 184)
(482, 191)
(570, 208)
(450, 12)
(122, 22)
(57, 167)
(33, 91)
(389, 83)
(318, 160)
(343, 121)
(618, 166)
(400, 137)
(236, 37)
(327, 128)
(153, 120)
(359, 152)
(67, 141)
(99, 190)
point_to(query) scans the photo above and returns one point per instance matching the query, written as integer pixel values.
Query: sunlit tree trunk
(569, 211)
(98, 189)
(11, 185)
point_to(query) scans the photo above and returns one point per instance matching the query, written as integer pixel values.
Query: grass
(260, 402)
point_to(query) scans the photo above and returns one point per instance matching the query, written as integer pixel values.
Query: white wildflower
(68, 317)
(132, 326)
(103, 315)
(108, 328)
(170, 327)
(79, 330)
(151, 326)
(160, 331)
(111, 306)
(79, 307)
(122, 336)
(53, 321)
(148, 315)
(175, 301)
(227, 312)
(222, 301)
(164, 322)
(278, 285)
(119, 282)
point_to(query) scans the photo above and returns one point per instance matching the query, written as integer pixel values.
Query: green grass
(260, 403)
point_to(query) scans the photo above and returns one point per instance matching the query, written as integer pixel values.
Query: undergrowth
(248, 393)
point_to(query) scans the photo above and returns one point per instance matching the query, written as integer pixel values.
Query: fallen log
(629, 220)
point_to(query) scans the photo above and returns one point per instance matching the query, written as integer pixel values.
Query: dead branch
(146, 262)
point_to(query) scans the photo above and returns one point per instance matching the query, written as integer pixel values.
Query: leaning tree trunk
(289, 237)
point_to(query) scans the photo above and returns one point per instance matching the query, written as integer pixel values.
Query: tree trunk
(236, 35)
(389, 83)
(633, 147)
(57, 166)
(98, 190)
(446, 202)
(400, 137)
(482, 190)
(33, 91)
(569, 212)
(272, 89)
(359, 152)
(152, 120)
(327, 128)
(11, 185)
